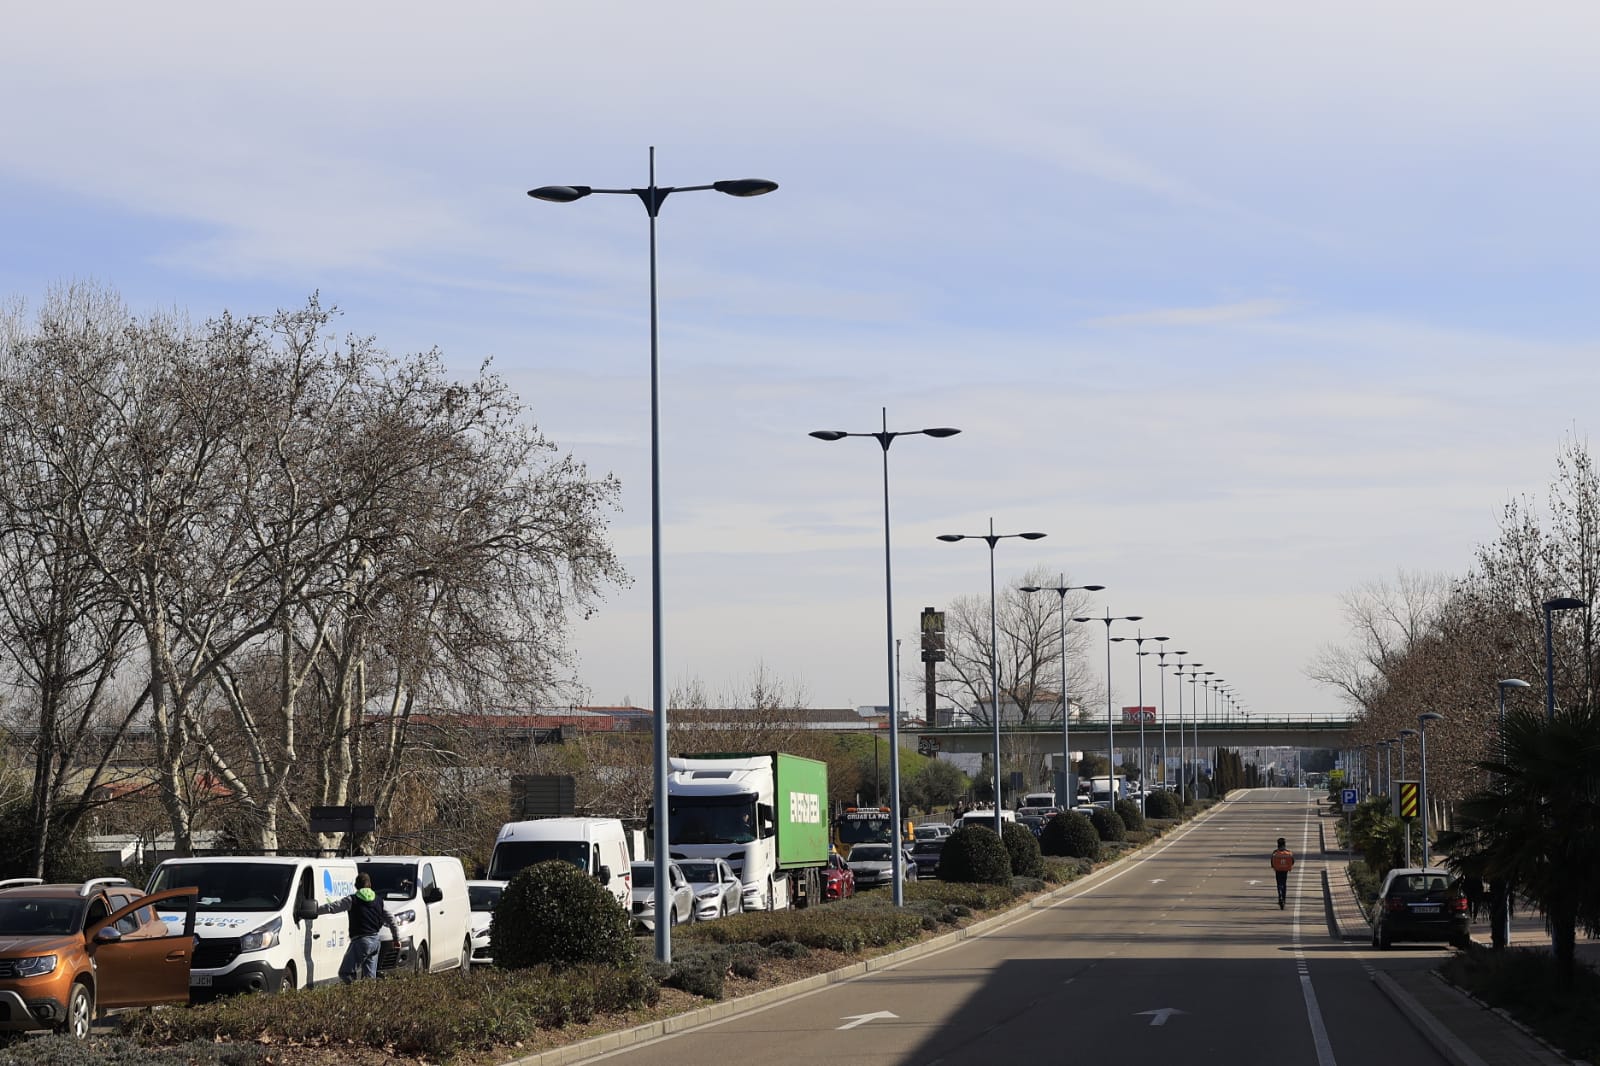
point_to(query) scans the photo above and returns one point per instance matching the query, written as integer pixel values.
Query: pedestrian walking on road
(1282, 863)
(367, 919)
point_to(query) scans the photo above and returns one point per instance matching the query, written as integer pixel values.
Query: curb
(715, 1012)
(1444, 1042)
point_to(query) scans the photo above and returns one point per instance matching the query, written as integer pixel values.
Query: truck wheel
(80, 1012)
(772, 895)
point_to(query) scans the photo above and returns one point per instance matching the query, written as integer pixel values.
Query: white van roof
(555, 828)
(257, 860)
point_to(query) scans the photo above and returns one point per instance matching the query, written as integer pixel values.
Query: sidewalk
(1460, 1028)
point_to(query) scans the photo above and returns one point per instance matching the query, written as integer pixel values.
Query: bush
(1132, 816)
(1024, 885)
(1022, 847)
(1109, 825)
(552, 913)
(56, 1050)
(1072, 835)
(1163, 804)
(974, 855)
(699, 969)
(787, 949)
(1059, 871)
(974, 897)
(1526, 983)
(846, 926)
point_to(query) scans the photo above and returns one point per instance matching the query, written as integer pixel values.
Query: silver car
(644, 895)
(871, 865)
(718, 892)
(482, 898)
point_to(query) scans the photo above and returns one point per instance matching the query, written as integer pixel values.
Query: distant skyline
(1242, 305)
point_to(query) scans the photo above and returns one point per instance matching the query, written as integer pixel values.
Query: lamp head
(940, 431)
(745, 186)
(1563, 603)
(1030, 588)
(1132, 617)
(951, 538)
(560, 194)
(1429, 716)
(828, 434)
(1031, 536)
(1512, 682)
(1092, 588)
(1157, 638)
(1407, 733)
(1087, 619)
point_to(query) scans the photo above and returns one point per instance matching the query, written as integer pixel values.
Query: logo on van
(805, 807)
(336, 889)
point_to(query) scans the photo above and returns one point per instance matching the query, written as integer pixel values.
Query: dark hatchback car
(925, 853)
(1419, 906)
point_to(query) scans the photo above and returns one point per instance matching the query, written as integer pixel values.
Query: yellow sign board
(1408, 799)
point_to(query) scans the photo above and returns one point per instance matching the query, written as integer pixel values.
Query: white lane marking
(1160, 1016)
(1319, 1029)
(853, 1020)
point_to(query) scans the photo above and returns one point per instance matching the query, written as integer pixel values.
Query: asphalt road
(1178, 956)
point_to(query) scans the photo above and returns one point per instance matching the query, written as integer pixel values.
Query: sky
(1243, 304)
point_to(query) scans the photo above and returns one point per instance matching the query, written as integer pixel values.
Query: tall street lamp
(1161, 671)
(1388, 771)
(1422, 731)
(1551, 606)
(1144, 764)
(1401, 740)
(1061, 591)
(1499, 890)
(1111, 720)
(992, 538)
(885, 438)
(1194, 738)
(653, 196)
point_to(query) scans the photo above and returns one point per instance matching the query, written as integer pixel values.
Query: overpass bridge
(1044, 738)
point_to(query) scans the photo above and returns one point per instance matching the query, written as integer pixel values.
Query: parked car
(934, 830)
(839, 880)
(1034, 823)
(925, 854)
(680, 895)
(1420, 906)
(71, 951)
(872, 866)
(718, 892)
(483, 897)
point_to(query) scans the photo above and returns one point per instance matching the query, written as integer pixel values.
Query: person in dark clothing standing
(367, 919)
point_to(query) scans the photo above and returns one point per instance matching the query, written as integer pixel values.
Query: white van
(985, 818)
(1038, 800)
(256, 925)
(597, 846)
(427, 895)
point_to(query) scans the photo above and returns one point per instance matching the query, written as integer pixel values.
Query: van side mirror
(432, 894)
(305, 910)
(602, 874)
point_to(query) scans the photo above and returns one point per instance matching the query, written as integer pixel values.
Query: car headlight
(405, 917)
(261, 938)
(709, 893)
(37, 966)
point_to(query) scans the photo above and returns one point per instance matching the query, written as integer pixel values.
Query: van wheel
(80, 1012)
(289, 982)
(466, 955)
(419, 959)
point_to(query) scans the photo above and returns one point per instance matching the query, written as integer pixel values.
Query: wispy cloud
(1216, 314)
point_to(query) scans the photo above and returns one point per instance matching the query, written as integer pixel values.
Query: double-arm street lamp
(1184, 764)
(1111, 719)
(652, 196)
(1551, 606)
(885, 438)
(1066, 796)
(1144, 764)
(992, 538)
(1422, 731)
(1161, 669)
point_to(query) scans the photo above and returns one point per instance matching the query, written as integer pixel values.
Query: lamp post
(1161, 671)
(1111, 732)
(992, 538)
(1401, 740)
(653, 196)
(1499, 889)
(1144, 763)
(1205, 689)
(1194, 739)
(1388, 771)
(1422, 732)
(1551, 606)
(1061, 591)
(885, 438)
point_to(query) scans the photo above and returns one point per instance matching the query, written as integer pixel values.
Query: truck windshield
(230, 886)
(392, 880)
(711, 819)
(857, 828)
(512, 855)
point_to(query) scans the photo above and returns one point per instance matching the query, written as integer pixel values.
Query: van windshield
(392, 880)
(512, 855)
(230, 886)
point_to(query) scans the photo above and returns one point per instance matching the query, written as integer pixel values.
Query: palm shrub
(553, 912)
(1132, 816)
(1072, 835)
(1163, 804)
(1108, 824)
(975, 855)
(1023, 849)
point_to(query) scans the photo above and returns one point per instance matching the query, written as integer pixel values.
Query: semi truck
(766, 813)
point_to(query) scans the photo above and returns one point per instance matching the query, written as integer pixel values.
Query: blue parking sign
(1348, 797)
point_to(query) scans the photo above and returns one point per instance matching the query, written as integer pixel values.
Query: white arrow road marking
(1255, 882)
(1158, 880)
(1159, 1017)
(853, 1020)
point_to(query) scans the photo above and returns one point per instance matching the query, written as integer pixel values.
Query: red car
(839, 880)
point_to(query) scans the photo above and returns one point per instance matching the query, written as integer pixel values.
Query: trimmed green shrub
(847, 926)
(1058, 871)
(977, 897)
(1022, 847)
(699, 969)
(552, 913)
(1132, 816)
(1109, 825)
(1023, 885)
(60, 1050)
(787, 949)
(1072, 835)
(1163, 804)
(974, 855)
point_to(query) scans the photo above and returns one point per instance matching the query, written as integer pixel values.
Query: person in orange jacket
(1282, 863)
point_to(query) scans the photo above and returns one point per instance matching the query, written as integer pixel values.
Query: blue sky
(1244, 305)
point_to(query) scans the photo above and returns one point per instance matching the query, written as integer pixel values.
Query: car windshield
(392, 880)
(869, 853)
(40, 917)
(928, 833)
(701, 873)
(483, 897)
(230, 886)
(859, 827)
(512, 855)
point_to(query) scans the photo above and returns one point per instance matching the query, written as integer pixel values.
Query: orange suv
(71, 952)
